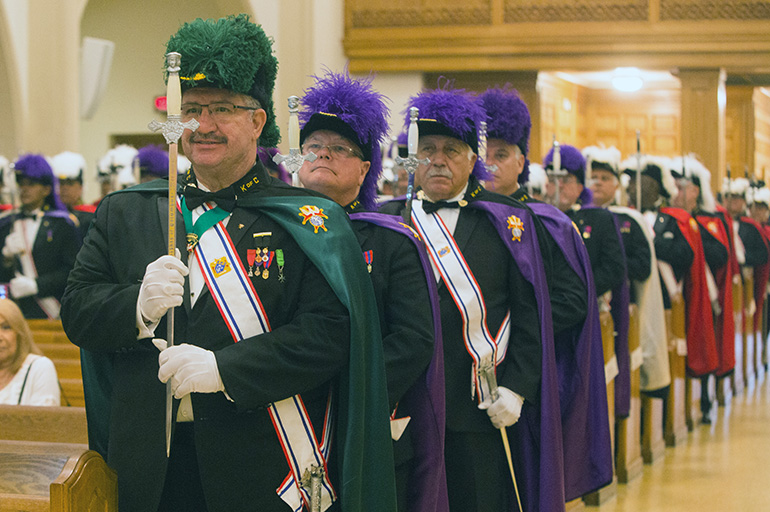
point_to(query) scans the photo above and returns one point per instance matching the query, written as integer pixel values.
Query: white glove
(14, 244)
(504, 411)
(191, 370)
(162, 287)
(23, 286)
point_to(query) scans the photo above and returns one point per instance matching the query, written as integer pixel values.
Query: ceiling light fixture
(627, 79)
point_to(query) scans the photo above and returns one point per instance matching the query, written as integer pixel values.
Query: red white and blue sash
(447, 258)
(242, 311)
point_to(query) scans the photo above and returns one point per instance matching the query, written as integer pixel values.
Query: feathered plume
(451, 112)
(352, 108)
(657, 168)
(572, 161)
(153, 160)
(68, 165)
(36, 168)
(690, 168)
(509, 120)
(607, 158)
(230, 53)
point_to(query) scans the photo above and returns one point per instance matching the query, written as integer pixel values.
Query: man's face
(735, 204)
(509, 162)
(603, 185)
(225, 143)
(70, 192)
(687, 198)
(32, 194)
(451, 164)
(339, 169)
(759, 212)
(569, 191)
(650, 192)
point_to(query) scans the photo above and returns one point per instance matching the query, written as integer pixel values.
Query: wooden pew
(676, 426)
(607, 492)
(56, 477)
(45, 463)
(43, 424)
(628, 456)
(41, 324)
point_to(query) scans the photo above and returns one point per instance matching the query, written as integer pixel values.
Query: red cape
(702, 355)
(724, 323)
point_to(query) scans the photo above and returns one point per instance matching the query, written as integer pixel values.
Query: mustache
(206, 138)
(438, 172)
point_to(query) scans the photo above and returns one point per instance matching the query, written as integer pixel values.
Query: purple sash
(541, 477)
(580, 364)
(425, 399)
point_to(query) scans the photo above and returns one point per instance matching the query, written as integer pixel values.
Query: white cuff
(146, 330)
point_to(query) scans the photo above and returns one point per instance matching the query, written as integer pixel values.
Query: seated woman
(26, 376)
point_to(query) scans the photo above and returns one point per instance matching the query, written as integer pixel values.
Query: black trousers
(183, 489)
(478, 478)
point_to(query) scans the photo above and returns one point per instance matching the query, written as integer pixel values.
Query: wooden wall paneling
(739, 130)
(762, 133)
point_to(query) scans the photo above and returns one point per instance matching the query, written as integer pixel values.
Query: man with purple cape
(495, 318)
(344, 121)
(39, 241)
(578, 343)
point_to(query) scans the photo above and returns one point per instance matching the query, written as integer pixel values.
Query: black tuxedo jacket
(600, 236)
(241, 462)
(53, 251)
(504, 288)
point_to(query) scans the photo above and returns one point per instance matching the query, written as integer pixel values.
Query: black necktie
(430, 207)
(194, 197)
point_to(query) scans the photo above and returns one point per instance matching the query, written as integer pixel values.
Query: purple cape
(425, 399)
(540, 473)
(580, 363)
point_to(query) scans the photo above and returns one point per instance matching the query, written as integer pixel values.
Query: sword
(556, 171)
(639, 172)
(313, 478)
(411, 162)
(294, 160)
(487, 373)
(483, 147)
(172, 129)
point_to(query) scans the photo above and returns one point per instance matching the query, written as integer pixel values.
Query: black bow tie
(194, 197)
(27, 215)
(430, 207)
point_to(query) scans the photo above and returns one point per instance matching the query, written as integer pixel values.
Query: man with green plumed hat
(276, 368)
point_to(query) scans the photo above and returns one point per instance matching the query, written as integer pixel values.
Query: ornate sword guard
(486, 373)
(173, 129)
(483, 147)
(294, 160)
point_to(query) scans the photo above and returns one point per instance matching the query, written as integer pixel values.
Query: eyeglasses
(337, 150)
(220, 111)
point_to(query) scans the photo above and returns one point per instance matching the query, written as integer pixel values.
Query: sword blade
(488, 374)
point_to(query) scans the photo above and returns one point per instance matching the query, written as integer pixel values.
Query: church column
(53, 120)
(739, 137)
(703, 118)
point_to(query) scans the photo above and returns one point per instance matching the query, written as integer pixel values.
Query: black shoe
(705, 420)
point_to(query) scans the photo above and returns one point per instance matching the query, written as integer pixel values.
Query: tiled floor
(723, 467)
